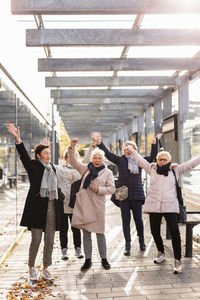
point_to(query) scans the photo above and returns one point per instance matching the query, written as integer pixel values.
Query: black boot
(87, 264)
(105, 264)
(127, 249)
(142, 244)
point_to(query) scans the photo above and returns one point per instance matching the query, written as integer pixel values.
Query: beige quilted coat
(105, 182)
(161, 195)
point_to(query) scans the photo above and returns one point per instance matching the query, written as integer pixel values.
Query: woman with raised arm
(41, 212)
(130, 176)
(89, 209)
(162, 200)
(66, 175)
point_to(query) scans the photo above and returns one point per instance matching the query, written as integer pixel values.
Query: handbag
(182, 216)
(121, 193)
(75, 187)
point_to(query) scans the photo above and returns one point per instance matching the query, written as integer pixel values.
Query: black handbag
(182, 216)
(75, 187)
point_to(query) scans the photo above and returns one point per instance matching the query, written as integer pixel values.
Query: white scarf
(48, 186)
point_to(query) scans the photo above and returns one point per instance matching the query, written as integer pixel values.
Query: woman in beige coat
(66, 175)
(162, 200)
(89, 210)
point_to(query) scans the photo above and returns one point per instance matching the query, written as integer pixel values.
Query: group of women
(43, 212)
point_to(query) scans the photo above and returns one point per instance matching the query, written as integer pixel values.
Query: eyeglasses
(163, 159)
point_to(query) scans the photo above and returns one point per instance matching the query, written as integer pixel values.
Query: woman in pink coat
(162, 200)
(89, 211)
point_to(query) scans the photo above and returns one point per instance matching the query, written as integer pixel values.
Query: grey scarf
(48, 186)
(132, 165)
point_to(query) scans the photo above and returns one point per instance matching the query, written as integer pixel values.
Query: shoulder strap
(54, 169)
(175, 176)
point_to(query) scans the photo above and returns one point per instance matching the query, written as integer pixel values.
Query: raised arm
(24, 156)
(143, 163)
(188, 165)
(80, 167)
(87, 157)
(96, 136)
(154, 148)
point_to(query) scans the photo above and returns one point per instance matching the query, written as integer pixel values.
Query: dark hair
(38, 149)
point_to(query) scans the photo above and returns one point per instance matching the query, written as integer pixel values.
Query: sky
(21, 61)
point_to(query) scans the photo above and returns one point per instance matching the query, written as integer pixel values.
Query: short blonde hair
(131, 143)
(66, 152)
(164, 153)
(98, 151)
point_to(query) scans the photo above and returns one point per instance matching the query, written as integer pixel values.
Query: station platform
(135, 277)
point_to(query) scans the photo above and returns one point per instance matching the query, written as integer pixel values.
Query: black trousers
(64, 234)
(172, 222)
(126, 207)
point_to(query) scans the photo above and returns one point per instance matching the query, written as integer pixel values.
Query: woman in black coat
(43, 212)
(130, 176)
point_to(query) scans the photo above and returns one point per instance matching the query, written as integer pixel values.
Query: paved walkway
(134, 277)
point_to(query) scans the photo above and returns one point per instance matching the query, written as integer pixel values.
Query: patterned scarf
(48, 186)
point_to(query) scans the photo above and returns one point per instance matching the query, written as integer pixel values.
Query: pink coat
(94, 203)
(161, 195)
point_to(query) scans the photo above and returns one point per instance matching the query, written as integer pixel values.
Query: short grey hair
(98, 151)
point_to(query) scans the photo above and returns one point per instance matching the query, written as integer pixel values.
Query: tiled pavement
(134, 277)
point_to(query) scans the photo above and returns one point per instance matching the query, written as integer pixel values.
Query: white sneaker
(64, 254)
(33, 274)
(177, 267)
(160, 258)
(46, 274)
(78, 252)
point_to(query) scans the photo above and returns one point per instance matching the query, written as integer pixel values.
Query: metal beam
(109, 81)
(111, 37)
(7, 95)
(96, 108)
(120, 64)
(116, 93)
(98, 114)
(95, 101)
(87, 7)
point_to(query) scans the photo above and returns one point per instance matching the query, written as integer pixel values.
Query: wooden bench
(12, 180)
(192, 220)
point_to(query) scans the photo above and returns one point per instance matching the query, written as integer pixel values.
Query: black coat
(35, 209)
(132, 181)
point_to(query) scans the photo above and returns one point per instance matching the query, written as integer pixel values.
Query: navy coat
(35, 209)
(132, 181)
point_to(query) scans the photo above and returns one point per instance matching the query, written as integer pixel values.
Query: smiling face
(97, 160)
(163, 159)
(45, 155)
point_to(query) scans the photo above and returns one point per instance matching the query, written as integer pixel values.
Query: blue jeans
(126, 207)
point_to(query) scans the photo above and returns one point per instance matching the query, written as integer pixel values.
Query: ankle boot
(87, 264)
(127, 249)
(142, 244)
(105, 264)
